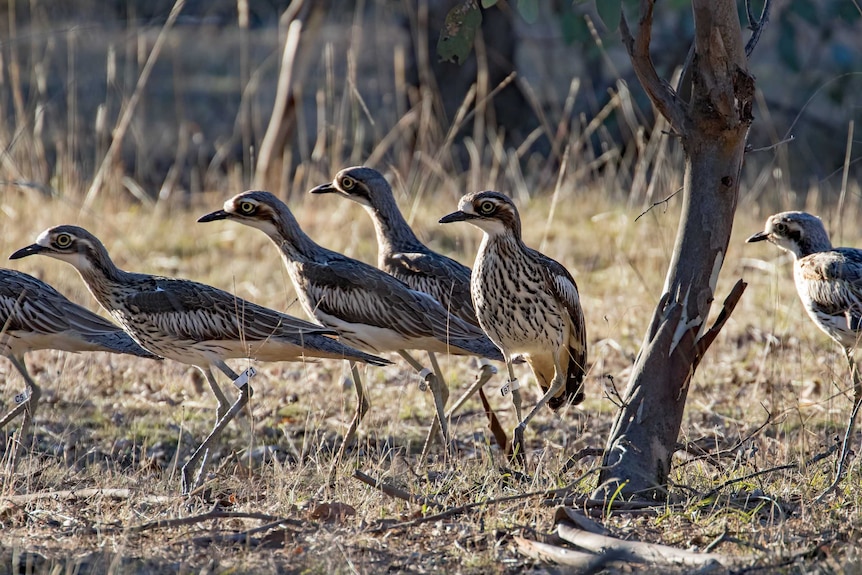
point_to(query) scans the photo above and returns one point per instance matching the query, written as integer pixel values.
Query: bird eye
(246, 207)
(347, 183)
(63, 240)
(780, 227)
(486, 207)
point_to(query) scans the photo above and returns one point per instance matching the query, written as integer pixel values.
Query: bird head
(492, 212)
(254, 208)
(799, 233)
(363, 185)
(70, 244)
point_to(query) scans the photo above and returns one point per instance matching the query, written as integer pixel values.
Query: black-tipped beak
(216, 215)
(28, 251)
(323, 189)
(758, 237)
(458, 216)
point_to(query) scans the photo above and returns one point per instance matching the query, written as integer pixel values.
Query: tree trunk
(713, 128)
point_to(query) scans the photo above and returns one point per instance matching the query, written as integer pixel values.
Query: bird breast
(512, 304)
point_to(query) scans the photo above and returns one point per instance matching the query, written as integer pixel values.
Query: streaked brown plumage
(369, 308)
(189, 322)
(526, 302)
(33, 315)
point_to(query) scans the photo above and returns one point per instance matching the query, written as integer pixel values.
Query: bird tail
(118, 342)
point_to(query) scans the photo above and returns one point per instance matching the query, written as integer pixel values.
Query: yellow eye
(486, 207)
(63, 240)
(347, 183)
(780, 227)
(246, 207)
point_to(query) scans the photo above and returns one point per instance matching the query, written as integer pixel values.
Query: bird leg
(439, 390)
(223, 403)
(27, 405)
(361, 409)
(486, 372)
(245, 393)
(518, 434)
(556, 386)
(845, 444)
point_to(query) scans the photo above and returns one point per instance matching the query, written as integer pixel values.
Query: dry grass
(118, 423)
(114, 422)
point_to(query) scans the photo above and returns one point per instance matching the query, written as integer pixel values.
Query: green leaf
(609, 12)
(488, 3)
(529, 10)
(459, 31)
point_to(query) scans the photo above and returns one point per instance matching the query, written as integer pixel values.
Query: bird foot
(518, 450)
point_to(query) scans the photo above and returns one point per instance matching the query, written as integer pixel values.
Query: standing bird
(192, 323)
(401, 254)
(33, 315)
(527, 303)
(369, 308)
(829, 283)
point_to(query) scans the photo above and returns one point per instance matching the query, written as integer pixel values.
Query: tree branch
(757, 26)
(729, 304)
(661, 94)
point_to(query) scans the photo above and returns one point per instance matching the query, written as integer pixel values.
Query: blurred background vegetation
(369, 86)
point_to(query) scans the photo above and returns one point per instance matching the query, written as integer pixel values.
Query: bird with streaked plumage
(192, 323)
(33, 316)
(527, 304)
(370, 309)
(402, 255)
(829, 283)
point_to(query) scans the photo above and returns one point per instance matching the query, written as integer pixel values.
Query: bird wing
(560, 283)
(28, 304)
(833, 283)
(442, 278)
(200, 313)
(358, 293)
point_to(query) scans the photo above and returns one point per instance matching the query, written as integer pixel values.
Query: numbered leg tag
(243, 378)
(509, 386)
(23, 396)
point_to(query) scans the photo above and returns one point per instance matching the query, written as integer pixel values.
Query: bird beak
(216, 215)
(28, 251)
(758, 237)
(458, 216)
(323, 189)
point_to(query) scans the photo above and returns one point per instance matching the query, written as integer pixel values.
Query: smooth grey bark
(712, 128)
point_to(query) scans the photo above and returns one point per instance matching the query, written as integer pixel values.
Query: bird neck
(808, 245)
(102, 276)
(292, 241)
(393, 232)
(501, 242)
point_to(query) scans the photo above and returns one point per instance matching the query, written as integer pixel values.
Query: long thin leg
(845, 444)
(223, 403)
(28, 407)
(556, 386)
(202, 452)
(486, 372)
(361, 410)
(518, 449)
(441, 398)
(437, 389)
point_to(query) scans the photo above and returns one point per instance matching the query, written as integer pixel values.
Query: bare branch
(393, 491)
(787, 140)
(729, 304)
(756, 27)
(658, 203)
(663, 97)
